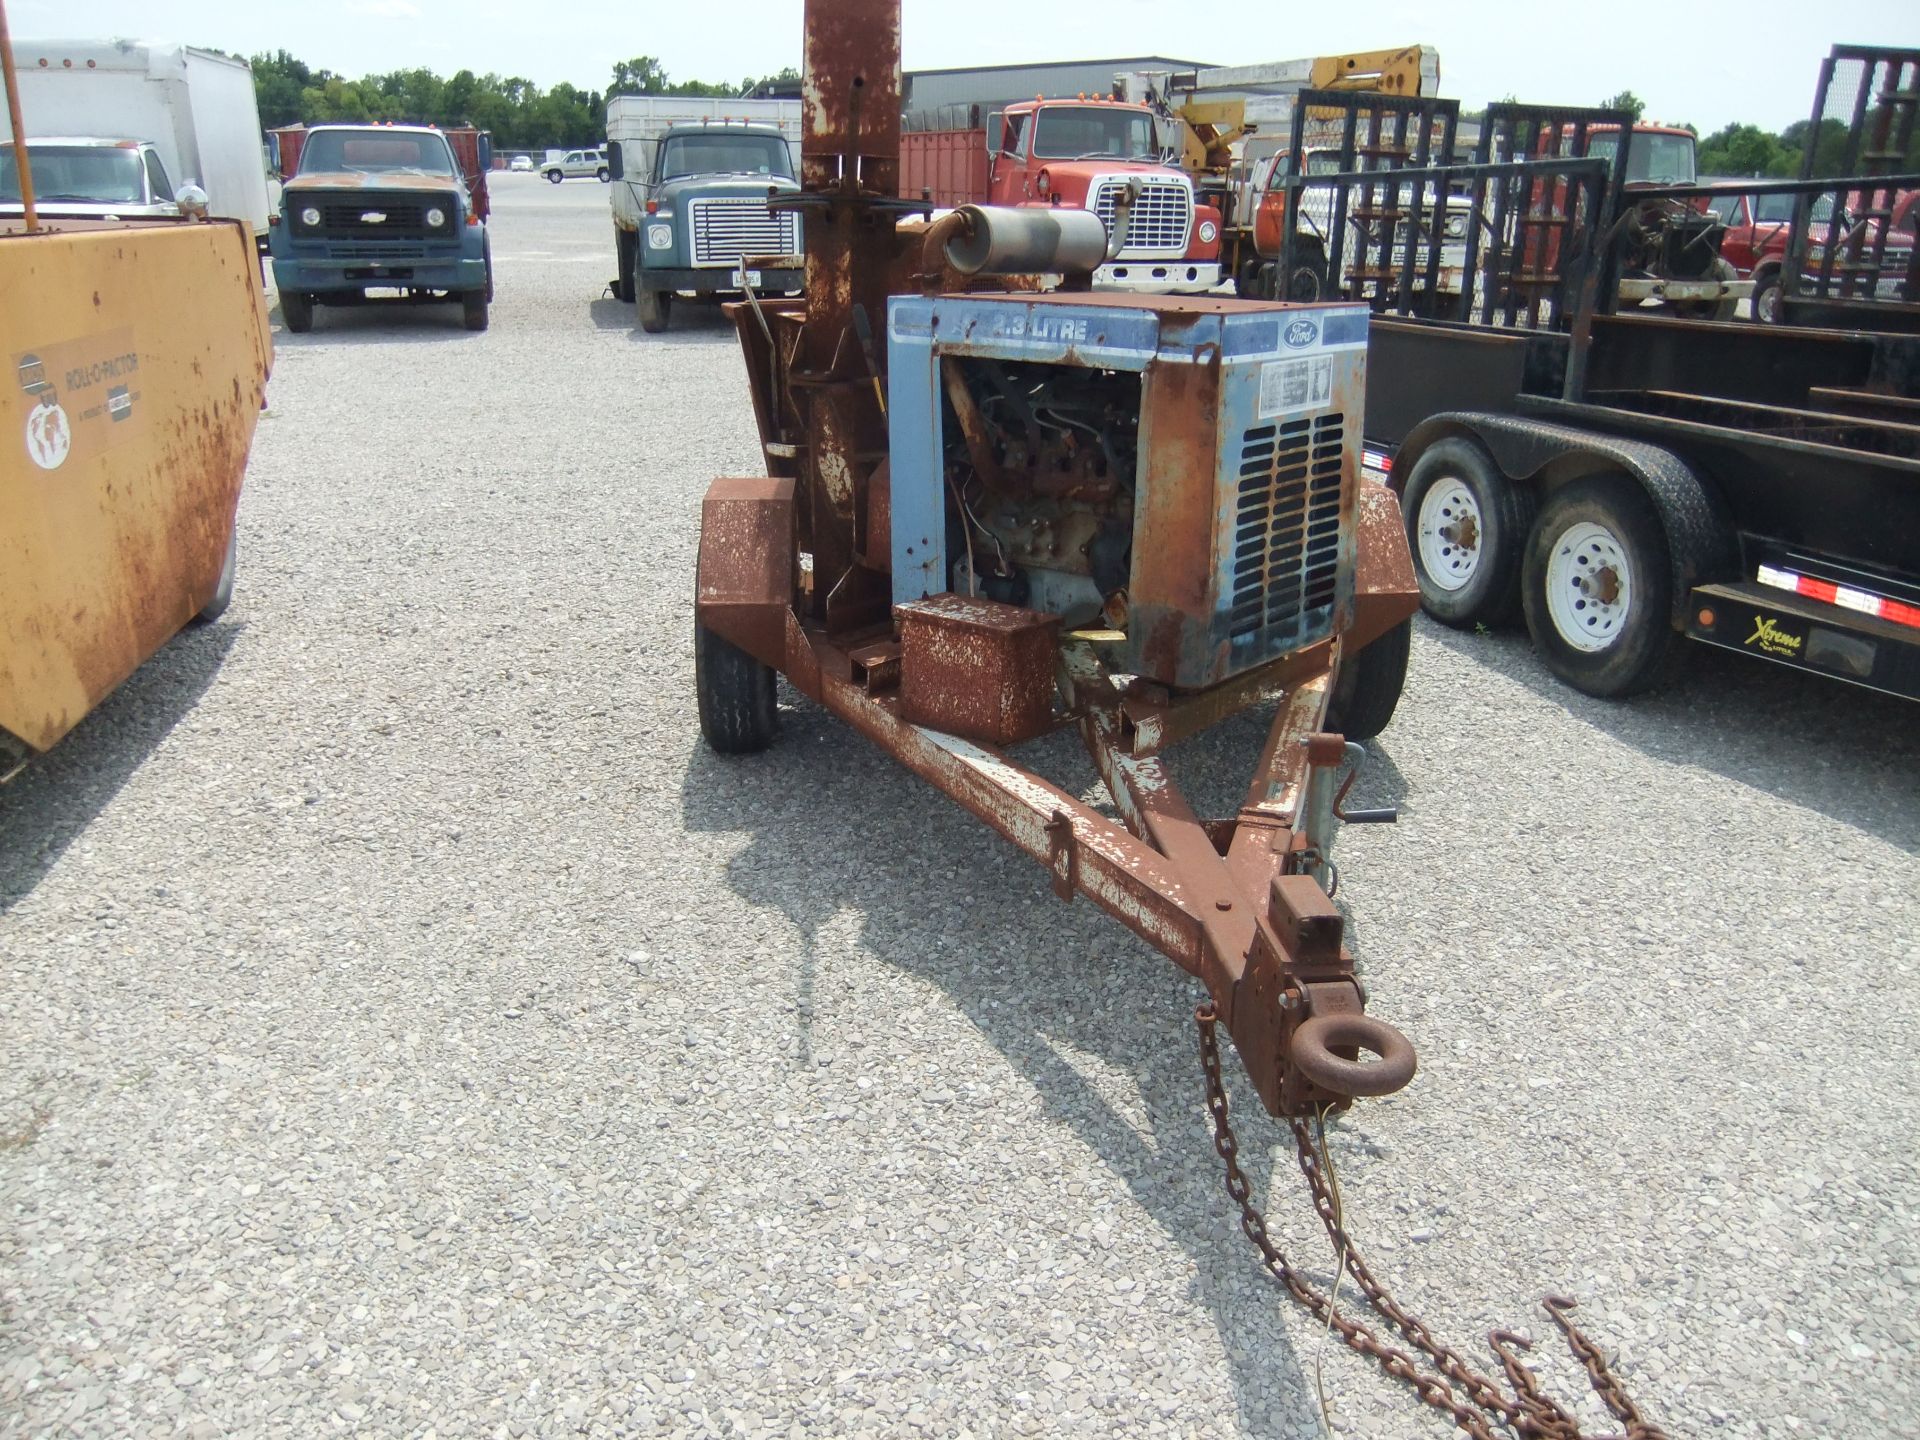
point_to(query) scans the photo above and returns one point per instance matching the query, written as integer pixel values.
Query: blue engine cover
(1249, 449)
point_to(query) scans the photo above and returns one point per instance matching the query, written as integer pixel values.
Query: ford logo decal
(1301, 333)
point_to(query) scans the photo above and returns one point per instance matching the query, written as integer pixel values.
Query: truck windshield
(94, 174)
(375, 151)
(1093, 132)
(720, 153)
(1658, 159)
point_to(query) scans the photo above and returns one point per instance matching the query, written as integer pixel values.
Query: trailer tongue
(991, 512)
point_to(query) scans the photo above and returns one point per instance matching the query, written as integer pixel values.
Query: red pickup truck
(1756, 240)
(1080, 153)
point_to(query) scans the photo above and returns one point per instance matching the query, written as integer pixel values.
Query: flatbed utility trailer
(1623, 481)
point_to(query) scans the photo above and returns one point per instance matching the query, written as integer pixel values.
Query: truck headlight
(659, 237)
(436, 217)
(310, 217)
(1208, 232)
(1456, 227)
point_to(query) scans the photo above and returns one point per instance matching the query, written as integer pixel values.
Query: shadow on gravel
(57, 796)
(1850, 754)
(947, 900)
(395, 324)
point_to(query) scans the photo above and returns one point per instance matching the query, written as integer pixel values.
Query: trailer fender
(1700, 532)
(745, 574)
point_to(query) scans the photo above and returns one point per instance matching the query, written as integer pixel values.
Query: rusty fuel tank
(136, 360)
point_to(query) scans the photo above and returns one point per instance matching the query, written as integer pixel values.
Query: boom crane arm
(1218, 106)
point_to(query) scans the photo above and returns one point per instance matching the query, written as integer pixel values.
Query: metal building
(1000, 84)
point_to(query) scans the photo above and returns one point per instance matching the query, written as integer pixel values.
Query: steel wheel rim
(1450, 531)
(1589, 586)
(1768, 306)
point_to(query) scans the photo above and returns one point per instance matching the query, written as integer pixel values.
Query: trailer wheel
(297, 311)
(1598, 586)
(624, 244)
(655, 307)
(223, 592)
(1711, 309)
(736, 695)
(1305, 283)
(474, 306)
(1467, 528)
(1369, 684)
(1766, 298)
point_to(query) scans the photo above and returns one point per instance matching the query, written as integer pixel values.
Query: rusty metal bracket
(1063, 855)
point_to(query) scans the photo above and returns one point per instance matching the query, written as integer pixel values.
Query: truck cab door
(1007, 169)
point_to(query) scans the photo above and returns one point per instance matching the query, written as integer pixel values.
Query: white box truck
(195, 108)
(691, 178)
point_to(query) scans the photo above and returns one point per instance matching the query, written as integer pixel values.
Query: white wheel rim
(1451, 533)
(1589, 586)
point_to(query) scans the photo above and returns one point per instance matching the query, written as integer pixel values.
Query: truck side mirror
(273, 156)
(616, 162)
(995, 132)
(486, 152)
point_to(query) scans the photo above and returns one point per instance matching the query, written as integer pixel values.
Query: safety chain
(1472, 1401)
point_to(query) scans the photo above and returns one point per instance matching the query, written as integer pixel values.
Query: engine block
(1176, 470)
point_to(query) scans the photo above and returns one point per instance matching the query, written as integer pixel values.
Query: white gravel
(409, 1028)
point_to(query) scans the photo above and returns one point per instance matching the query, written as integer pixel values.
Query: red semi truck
(1079, 153)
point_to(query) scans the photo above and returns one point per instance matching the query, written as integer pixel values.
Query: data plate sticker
(80, 397)
(1289, 386)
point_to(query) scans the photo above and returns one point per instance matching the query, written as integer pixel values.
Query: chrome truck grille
(726, 228)
(1162, 216)
(1286, 539)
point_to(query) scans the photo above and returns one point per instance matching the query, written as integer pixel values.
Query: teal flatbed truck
(386, 213)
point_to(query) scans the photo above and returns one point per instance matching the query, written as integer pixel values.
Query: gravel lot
(408, 1027)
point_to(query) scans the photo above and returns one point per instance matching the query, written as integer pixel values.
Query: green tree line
(520, 114)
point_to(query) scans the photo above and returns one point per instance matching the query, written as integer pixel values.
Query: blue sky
(1700, 63)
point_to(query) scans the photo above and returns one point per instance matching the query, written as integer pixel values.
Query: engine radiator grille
(727, 228)
(1286, 540)
(1161, 217)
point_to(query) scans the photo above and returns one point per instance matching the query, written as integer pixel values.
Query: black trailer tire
(1467, 527)
(1249, 281)
(656, 309)
(223, 592)
(297, 311)
(603, 175)
(473, 306)
(1598, 587)
(1369, 684)
(737, 695)
(1766, 298)
(625, 242)
(1305, 283)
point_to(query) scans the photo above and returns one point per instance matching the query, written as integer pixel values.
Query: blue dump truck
(395, 213)
(691, 180)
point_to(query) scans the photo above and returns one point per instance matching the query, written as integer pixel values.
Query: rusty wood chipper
(998, 503)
